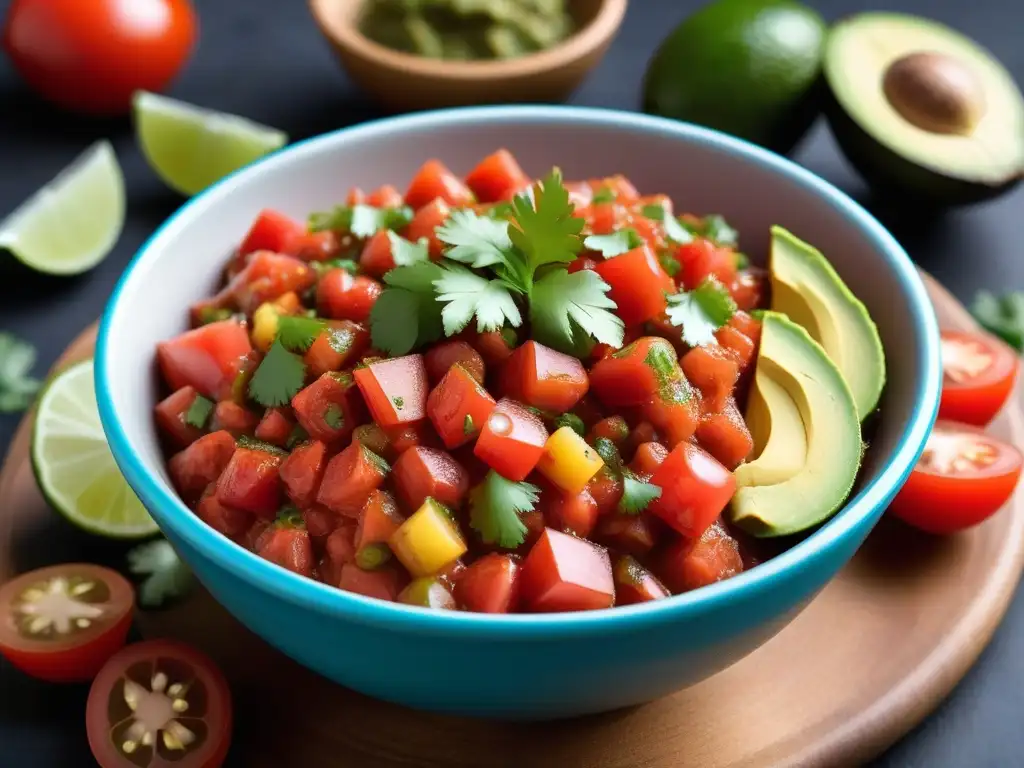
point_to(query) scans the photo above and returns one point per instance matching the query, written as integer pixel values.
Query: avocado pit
(935, 92)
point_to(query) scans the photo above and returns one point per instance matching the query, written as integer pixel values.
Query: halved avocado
(806, 288)
(809, 463)
(923, 111)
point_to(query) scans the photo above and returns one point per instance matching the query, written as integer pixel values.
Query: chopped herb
(298, 333)
(509, 336)
(373, 556)
(17, 387)
(674, 230)
(669, 263)
(165, 576)
(614, 244)
(661, 358)
(378, 463)
(333, 416)
(209, 315)
(566, 306)
(321, 267)
(636, 494)
(289, 516)
(296, 436)
(467, 295)
(758, 314)
(495, 507)
(609, 454)
(501, 210)
(407, 313)
(603, 195)
(468, 427)
(701, 311)
(253, 444)
(742, 260)
(399, 402)
(476, 240)
(199, 412)
(717, 229)
(279, 377)
(1001, 315)
(361, 220)
(405, 252)
(573, 422)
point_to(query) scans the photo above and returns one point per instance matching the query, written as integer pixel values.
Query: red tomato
(647, 458)
(441, 357)
(350, 478)
(632, 534)
(395, 390)
(61, 624)
(337, 347)
(275, 427)
(694, 489)
(978, 376)
(544, 378)
(606, 489)
(633, 375)
(638, 284)
(266, 276)
(427, 472)
(749, 288)
(200, 464)
(496, 176)
(563, 573)
(74, 52)
(159, 703)
(230, 522)
(383, 584)
(674, 411)
(343, 297)
(316, 246)
(376, 258)
(234, 418)
(490, 585)
(379, 519)
(434, 180)
(738, 344)
(170, 417)
(425, 223)
(207, 358)
(571, 514)
(272, 231)
(302, 471)
(635, 584)
(702, 259)
(714, 371)
(613, 428)
(512, 440)
(691, 563)
(251, 481)
(458, 407)
(726, 436)
(289, 547)
(330, 408)
(384, 197)
(963, 477)
(493, 347)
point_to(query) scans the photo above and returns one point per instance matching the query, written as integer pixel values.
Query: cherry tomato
(63, 623)
(963, 477)
(92, 55)
(159, 704)
(978, 376)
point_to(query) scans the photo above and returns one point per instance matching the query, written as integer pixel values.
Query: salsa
(493, 394)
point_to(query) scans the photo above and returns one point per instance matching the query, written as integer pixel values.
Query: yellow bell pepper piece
(568, 461)
(264, 326)
(428, 541)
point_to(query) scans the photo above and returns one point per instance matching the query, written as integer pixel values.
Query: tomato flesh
(424, 224)
(563, 573)
(350, 478)
(422, 473)
(207, 359)
(302, 471)
(343, 297)
(272, 231)
(252, 481)
(638, 284)
(512, 440)
(979, 373)
(687, 564)
(287, 547)
(694, 489)
(200, 464)
(545, 378)
(433, 180)
(339, 346)
(490, 585)
(395, 390)
(330, 408)
(635, 584)
(496, 176)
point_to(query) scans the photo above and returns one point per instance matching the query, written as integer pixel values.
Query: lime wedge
(73, 464)
(190, 148)
(73, 222)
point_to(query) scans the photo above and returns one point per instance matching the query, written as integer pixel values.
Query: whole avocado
(751, 68)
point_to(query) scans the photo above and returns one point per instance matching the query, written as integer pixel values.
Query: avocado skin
(892, 176)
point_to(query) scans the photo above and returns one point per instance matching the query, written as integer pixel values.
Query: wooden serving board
(874, 653)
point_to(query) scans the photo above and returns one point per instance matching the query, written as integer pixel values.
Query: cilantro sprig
(1001, 315)
(637, 494)
(165, 577)
(495, 507)
(17, 386)
(615, 244)
(360, 220)
(675, 230)
(701, 312)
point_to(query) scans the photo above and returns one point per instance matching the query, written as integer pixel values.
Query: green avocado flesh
(807, 289)
(807, 436)
(923, 111)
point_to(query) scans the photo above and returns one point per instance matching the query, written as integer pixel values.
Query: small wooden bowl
(404, 81)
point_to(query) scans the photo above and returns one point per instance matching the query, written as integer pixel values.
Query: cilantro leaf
(674, 230)
(609, 454)
(742, 260)
(717, 229)
(495, 506)
(467, 294)
(603, 195)
(405, 252)
(298, 333)
(166, 577)
(546, 231)
(1001, 315)
(478, 241)
(17, 387)
(320, 267)
(296, 436)
(564, 307)
(573, 422)
(279, 377)
(636, 494)
(614, 244)
(407, 313)
(199, 412)
(701, 311)
(333, 416)
(361, 220)
(669, 263)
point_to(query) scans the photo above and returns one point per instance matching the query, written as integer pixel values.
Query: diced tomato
(372, 435)
(252, 481)
(226, 520)
(458, 407)
(635, 584)
(714, 371)
(691, 563)
(738, 344)
(302, 471)
(619, 186)
(512, 440)
(251, 536)
(320, 522)
(633, 534)
(612, 428)
(385, 196)
(330, 408)
(422, 473)
(171, 415)
(380, 518)
(276, 426)
(337, 347)
(606, 489)
(490, 585)
(635, 374)
(576, 514)
(674, 411)
(339, 550)
(343, 297)
(647, 458)
(234, 418)
(726, 436)
(496, 176)
(272, 231)
(355, 196)
(643, 432)
(695, 488)
(288, 547)
(443, 356)
(406, 436)
(589, 410)
(316, 246)
(376, 258)
(544, 378)
(493, 347)
(748, 289)
(424, 224)
(383, 584)
(746, 324)
(265, 277)
(638, 284)
(200, 464)
(395, 390)
(433, 180)
(206, 358)
(350, 478)
(563, 573)
(580, 193)
(702, 259)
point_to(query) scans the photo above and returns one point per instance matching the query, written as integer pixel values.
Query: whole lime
(751, 68)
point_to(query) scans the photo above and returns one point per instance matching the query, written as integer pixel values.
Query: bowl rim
(863, 509)
(595, 34)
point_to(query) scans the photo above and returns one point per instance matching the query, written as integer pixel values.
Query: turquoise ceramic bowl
(530, 666)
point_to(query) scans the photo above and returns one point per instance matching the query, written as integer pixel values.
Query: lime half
(190, 148)
(73, 464)
(73, 222)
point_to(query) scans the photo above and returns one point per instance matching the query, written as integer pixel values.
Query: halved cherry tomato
(544, 378)
(512, 440)
(563, 573)
(195, 467)
(978, 376)
(496, 176)
(490, 585)
(350, 478)
(171, 415)
(422, 472)
(61, 624)
(207, 358)
(158, 704)
(638, 284)
(459, 407)
(434, 180)
(424, 224)
(694, 489)
(343, 297)
(395, 390)
(963, 477)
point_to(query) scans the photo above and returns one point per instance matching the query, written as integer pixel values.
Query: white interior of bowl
(700, 171)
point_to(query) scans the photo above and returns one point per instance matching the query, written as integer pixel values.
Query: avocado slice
(807, 289)
(922, 111)
(813, 420)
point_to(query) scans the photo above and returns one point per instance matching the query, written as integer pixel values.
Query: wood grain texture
(866, 661)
